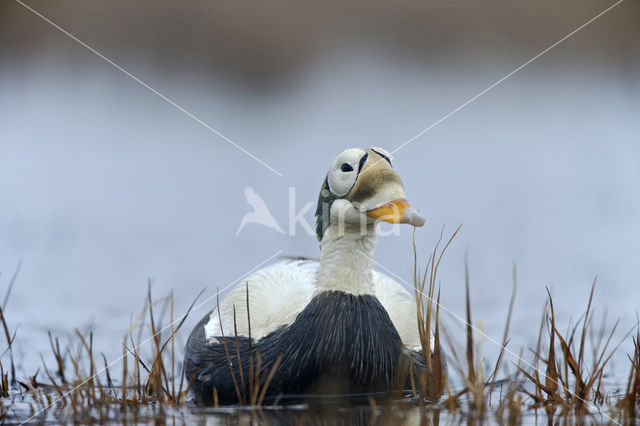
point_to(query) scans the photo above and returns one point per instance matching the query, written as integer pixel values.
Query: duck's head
(361, 188)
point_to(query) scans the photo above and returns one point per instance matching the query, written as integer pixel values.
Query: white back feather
(279, 292)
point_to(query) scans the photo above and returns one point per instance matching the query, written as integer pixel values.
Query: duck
(331, 326)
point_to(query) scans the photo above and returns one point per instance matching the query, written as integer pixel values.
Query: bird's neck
(346, 260)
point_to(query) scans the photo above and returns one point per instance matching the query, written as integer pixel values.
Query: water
(382, 409)
(104, 186)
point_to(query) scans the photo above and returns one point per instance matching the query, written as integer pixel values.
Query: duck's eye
(346, 167)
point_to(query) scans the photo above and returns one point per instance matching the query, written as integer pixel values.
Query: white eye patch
(344, 171)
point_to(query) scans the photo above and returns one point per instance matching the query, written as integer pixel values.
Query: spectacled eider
(339, 325)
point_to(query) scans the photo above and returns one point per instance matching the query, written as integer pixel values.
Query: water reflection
(344, 410)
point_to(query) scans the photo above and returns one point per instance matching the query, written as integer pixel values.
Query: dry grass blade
(474, 378)
(57, 353)
(537, 382)
(4, 384)
(538, 350)
(631, 400)
(157, 384)
(551, 375)
(239, 394)
(57, 388)
(437, 376)
(108, 374)
(510, 402)
(570, 360)
(430, 384)
(11, 283)
(251, 387)
(505, 337)
(9, 338)
(255, 389)
(88, 347)
(584, 325)
(238, 356)
(266, 383)
(123, 388)
(173, 349)
(471, 371)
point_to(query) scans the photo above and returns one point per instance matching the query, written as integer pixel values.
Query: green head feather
(325, 200)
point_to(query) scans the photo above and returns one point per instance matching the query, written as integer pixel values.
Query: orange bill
(397, 211)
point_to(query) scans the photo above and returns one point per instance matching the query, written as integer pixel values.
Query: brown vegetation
(79, 387)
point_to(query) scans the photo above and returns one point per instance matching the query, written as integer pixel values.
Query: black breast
(340, 343)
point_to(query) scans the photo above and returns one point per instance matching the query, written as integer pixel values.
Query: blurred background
(104, 185)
